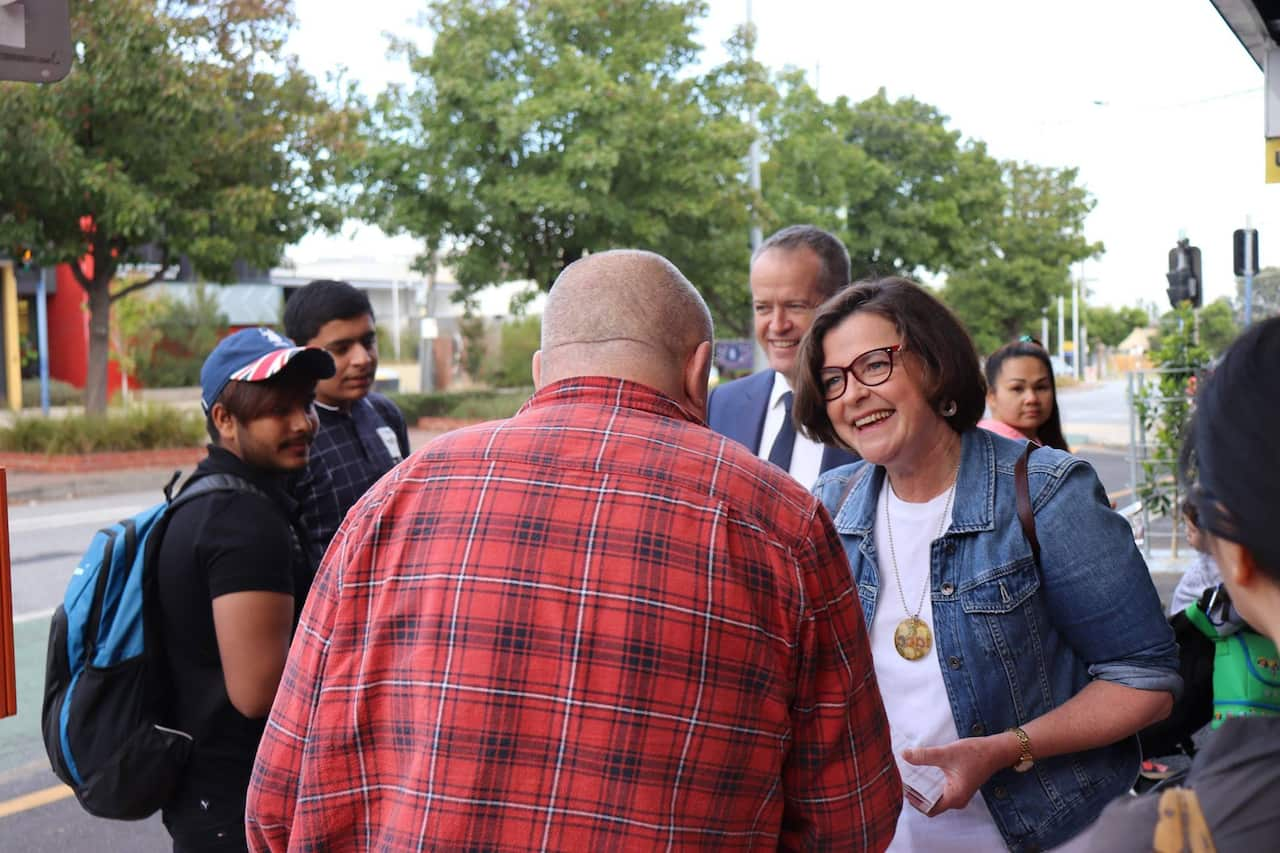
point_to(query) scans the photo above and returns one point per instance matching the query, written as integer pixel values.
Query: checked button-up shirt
(595, 626)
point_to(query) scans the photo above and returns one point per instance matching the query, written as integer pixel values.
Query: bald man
(595, 626)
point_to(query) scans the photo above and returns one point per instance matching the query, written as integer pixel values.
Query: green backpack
(1246, 669)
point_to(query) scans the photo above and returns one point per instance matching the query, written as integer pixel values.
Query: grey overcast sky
(1154, 100)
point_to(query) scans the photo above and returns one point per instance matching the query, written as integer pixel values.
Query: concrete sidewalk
(27, 487)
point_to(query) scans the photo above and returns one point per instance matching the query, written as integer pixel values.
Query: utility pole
(1062, 351)
(759, 360)
(1075, 331)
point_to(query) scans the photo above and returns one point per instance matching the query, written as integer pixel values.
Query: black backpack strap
(1022, 485)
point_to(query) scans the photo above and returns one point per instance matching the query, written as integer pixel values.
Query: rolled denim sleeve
(1097, 586)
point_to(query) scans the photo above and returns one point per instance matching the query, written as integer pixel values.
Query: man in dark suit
(792, 273)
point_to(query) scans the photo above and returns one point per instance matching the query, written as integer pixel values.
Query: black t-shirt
(216, 544)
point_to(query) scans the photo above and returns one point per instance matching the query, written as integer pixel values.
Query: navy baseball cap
(253, 355)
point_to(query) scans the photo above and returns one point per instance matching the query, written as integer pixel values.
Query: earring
(948, 409)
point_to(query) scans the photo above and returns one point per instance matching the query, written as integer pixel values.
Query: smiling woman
(1049, 660)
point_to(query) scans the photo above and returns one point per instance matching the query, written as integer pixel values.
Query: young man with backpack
(232, 574)
(362, 434)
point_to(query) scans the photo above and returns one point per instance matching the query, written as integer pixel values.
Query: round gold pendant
(912, 638)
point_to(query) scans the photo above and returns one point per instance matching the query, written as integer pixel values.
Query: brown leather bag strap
(1022, 485)
(1180, 825)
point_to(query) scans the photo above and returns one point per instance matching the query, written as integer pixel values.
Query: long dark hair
(1050, 432)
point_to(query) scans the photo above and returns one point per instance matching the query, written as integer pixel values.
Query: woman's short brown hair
(928, 329)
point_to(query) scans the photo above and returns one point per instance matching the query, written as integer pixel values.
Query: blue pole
(1248, 296)
(42, 338)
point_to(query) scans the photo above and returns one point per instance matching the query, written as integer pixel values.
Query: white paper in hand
(921, 784)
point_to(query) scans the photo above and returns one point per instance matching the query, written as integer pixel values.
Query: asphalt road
(47, 539)
(36, 814)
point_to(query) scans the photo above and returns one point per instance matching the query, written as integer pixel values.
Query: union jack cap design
(254, 355)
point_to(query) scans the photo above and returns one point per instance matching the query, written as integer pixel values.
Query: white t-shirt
(806, 455)
(915, 697)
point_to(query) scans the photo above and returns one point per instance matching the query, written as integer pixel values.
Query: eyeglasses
(872, 368)
(1027, 339)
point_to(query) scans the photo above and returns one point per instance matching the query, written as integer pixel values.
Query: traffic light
(1184, 275)
(35, 40)
(1245, 251)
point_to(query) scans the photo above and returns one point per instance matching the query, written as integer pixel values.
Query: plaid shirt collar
(609, 391)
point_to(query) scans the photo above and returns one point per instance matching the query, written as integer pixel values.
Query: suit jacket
(736, 410)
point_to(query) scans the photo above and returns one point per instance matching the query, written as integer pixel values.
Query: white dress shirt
(806, 455)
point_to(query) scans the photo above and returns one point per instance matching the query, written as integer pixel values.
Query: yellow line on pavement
(35, 799)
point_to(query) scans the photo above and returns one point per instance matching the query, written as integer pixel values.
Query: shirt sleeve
(273, 789)
(1098, 589)
(841, 784)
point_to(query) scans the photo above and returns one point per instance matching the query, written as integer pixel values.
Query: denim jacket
(1015, 641)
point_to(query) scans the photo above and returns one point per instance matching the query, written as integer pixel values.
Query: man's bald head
(623, 313)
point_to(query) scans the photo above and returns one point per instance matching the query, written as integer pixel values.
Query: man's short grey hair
(832, 255)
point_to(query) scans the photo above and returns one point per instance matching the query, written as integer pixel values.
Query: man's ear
(697, 369)
(224, 422)
(537, 369)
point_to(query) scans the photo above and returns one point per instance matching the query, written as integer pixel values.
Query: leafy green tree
(1266, 294)
(903, 191)
(513, 367)
(1112, 325)
(182, 128)
(1214, 326)
(535, 132)
(1027, 262)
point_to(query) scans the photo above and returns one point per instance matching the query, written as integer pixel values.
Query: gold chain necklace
(912, 638)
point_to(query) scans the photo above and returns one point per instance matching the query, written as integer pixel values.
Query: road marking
(35, 799)
(33, 615)
(101, 515)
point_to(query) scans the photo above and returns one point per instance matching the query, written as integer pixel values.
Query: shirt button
(953, 662)
(1001, 793)
(977, 730)
(951, 547)
(948, 588)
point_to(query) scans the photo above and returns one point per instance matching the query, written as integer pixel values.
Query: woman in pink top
(1022, 396)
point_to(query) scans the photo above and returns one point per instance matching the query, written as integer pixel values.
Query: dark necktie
(780, 453)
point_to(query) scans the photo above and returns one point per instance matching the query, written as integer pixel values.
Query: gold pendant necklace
(912, 638)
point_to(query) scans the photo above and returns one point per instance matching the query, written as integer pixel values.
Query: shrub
(140, 428)
(479, 404)
(60, 393)
(167, 338)
(513, 367)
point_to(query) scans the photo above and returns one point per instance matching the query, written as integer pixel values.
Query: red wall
(69, 334)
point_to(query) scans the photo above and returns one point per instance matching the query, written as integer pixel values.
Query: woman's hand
(967, 763)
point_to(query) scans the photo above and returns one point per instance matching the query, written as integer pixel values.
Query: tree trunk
(95, 389)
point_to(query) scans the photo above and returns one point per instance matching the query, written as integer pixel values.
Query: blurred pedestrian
(1231, 795)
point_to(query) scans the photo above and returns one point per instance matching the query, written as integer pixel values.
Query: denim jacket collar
(975, 482)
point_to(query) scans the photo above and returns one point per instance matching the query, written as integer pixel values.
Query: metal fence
(1160, 404)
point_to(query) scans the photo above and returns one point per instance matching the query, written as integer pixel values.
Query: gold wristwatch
(1025, 759)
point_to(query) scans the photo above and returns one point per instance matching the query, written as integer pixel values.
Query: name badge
(388, 436)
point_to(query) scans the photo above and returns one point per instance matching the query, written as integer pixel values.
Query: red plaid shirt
(595, 626)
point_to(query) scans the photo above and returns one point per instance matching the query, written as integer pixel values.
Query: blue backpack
(105, 692)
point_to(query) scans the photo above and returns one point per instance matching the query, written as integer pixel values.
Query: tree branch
(138, 285)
